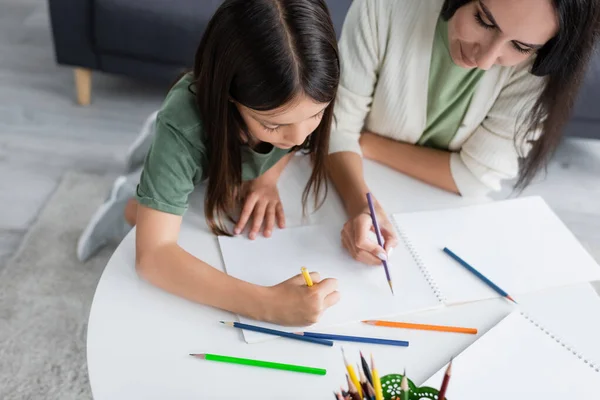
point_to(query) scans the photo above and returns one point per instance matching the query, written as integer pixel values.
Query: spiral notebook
(520, 245)
(520, 358)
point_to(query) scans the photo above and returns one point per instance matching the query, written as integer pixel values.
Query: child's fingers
(326, 286)
(331, 299)
(269, 222)
(280, 216)
(245, 215)
(315, 277)
(257, 219)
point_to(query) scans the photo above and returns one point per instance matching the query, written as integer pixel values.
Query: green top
(450, 91)
(177, 160)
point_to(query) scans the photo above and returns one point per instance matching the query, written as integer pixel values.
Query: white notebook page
(364, 290)
(520, 245)
(517, 360)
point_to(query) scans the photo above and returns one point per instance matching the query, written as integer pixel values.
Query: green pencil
(262, 364)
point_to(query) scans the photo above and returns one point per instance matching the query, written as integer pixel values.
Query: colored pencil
(379, 238)
(363, 380)
(279, 333)
(338, 396)
(307, 277)
(376, 381)
(478, 274)
(444, 388)
(371, 391)
(261, 364)
(352, 374)
(404, 387)
(425, 327)
(359, 339)
(352, 389)
(365, 367)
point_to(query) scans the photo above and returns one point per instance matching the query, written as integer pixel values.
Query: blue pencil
(278, 333)
(478, 274)
(359, 339)
(379, 238)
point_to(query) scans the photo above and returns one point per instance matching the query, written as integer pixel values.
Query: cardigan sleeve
(359, 62)
(491, 154)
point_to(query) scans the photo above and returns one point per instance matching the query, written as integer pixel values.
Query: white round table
(139, 337)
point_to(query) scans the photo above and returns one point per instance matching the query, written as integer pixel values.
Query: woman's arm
(429, 165)
(162, 262)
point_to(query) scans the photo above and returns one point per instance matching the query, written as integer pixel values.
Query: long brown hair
(563, 60)
(262, 54)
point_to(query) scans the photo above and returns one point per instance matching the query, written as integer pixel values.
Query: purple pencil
(379, 238)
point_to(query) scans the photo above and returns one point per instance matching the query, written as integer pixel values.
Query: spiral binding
(419, 261)
(591, 364)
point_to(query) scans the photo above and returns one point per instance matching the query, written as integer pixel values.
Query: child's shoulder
(179, 109)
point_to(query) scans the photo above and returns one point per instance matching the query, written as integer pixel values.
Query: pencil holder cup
(391, 389)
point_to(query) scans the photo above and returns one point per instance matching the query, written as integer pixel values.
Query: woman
(265, 76)
(460, 94)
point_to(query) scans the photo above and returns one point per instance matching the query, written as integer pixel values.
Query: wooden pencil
(404, 387)
(352, 374)
(371, 391)
(365, 367)
(376, 381)
(425, 327)
(444, 388)
(352, 389)
(379, 239)
(274, 332)
(363, 380)
(478, 274)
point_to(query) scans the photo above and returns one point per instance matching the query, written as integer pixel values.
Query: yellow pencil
(307, 278)
(376, 381)
(352, 375)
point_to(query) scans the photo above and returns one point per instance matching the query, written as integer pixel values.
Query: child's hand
(263, 204)
(292, 303)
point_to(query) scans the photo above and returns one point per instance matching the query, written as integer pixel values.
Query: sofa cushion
(167, 31)
(164, 31)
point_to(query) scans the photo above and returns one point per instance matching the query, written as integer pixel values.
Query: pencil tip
(222, 322)
(391, 287)
(511, 299)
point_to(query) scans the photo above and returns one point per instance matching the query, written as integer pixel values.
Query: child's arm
(161, 261)
(262, 202)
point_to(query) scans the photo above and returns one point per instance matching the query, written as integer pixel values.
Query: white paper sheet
(365, 293)
(518, 360)
(520, 245)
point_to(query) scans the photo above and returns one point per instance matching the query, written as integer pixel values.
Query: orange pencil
(425, 327)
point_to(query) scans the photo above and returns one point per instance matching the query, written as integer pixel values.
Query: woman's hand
(263, 204)
(292, 303)
(356, 232)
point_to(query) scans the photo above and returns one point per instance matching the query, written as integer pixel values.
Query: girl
(264, 80)
(455, 93)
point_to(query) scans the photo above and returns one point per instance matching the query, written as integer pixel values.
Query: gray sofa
(156, 39)
(144, 39)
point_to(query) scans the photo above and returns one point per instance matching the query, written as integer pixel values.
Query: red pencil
(444, 388)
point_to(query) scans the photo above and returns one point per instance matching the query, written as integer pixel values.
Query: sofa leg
(83, 85)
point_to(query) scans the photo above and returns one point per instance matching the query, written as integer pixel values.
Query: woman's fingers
(362, 227)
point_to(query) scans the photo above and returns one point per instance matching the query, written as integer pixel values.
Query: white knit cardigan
(385, 51)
